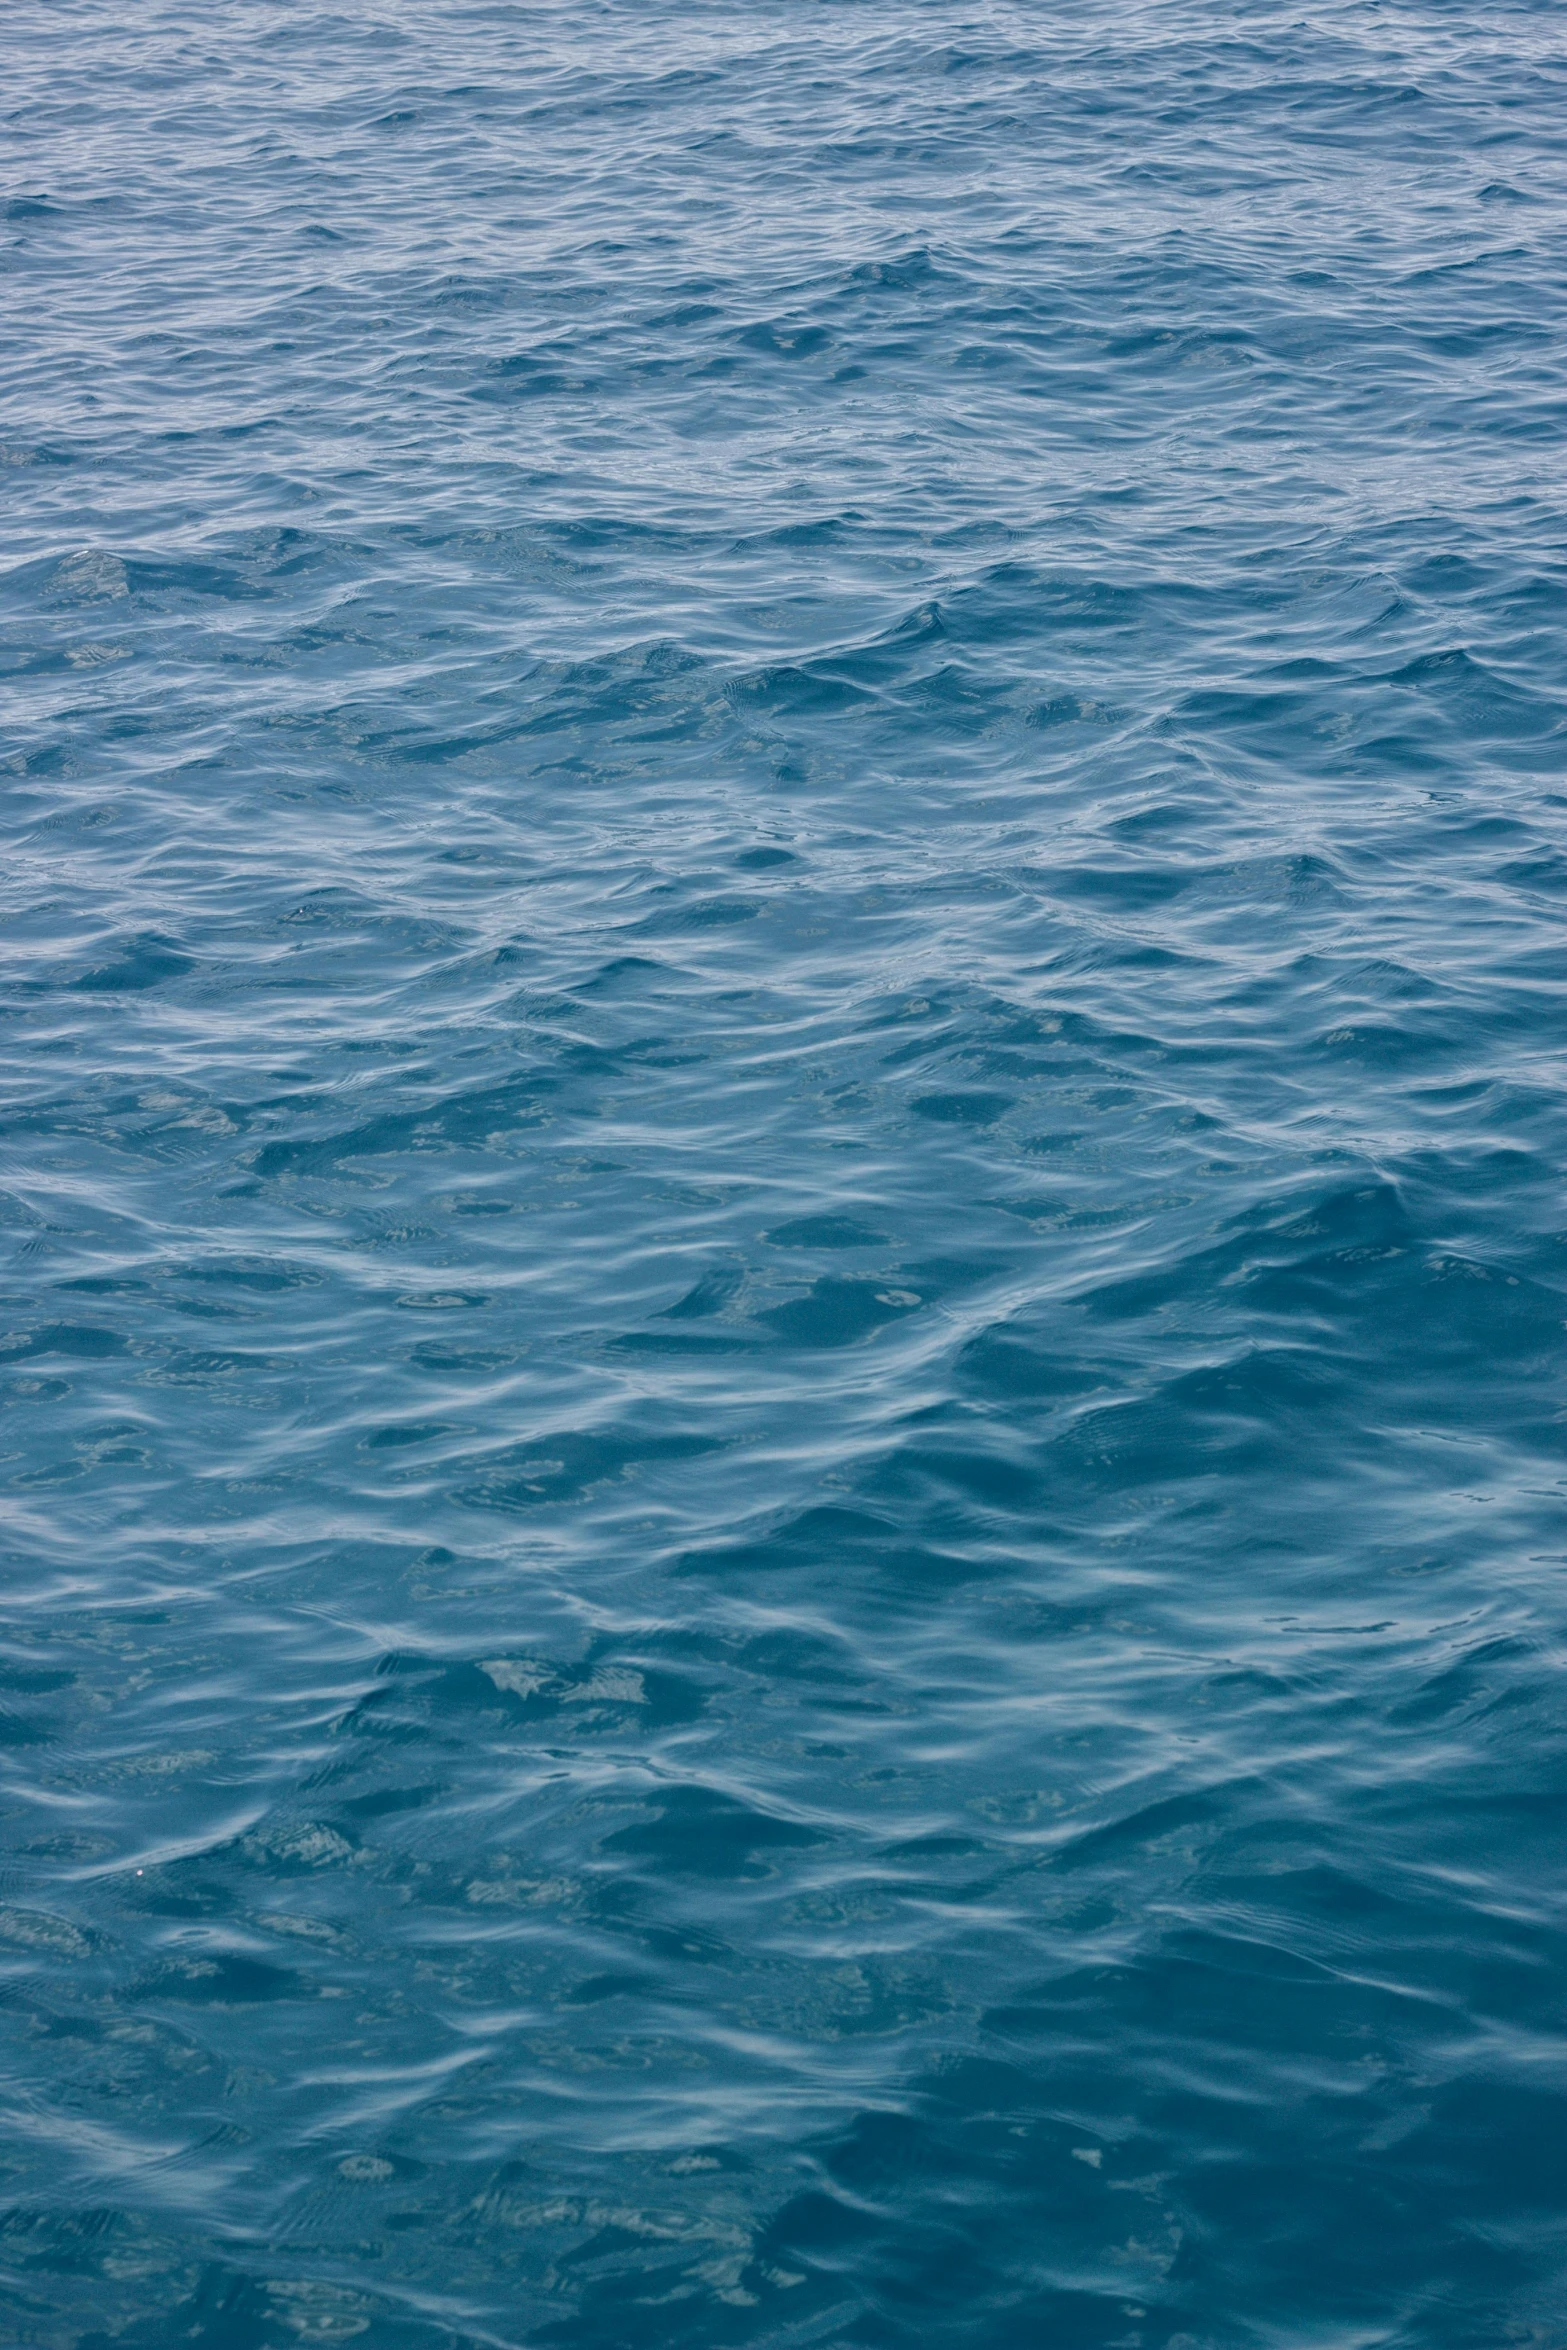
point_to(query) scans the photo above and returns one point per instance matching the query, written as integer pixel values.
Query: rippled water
(784, 1111)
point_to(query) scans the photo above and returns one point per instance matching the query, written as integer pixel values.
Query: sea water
(783, 1119)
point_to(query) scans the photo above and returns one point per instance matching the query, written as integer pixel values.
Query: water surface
(783, 1119)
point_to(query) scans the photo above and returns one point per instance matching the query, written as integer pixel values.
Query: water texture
(783, 1116)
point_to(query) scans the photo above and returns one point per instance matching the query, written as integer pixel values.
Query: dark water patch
(697, 1832)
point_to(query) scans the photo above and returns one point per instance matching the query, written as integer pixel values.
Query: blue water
(784, 1110)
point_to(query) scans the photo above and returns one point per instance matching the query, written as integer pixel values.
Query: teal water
(783, 1117)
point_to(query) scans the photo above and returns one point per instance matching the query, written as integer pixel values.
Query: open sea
(783, 1100)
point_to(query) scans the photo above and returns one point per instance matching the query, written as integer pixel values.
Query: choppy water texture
(782, 1175)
